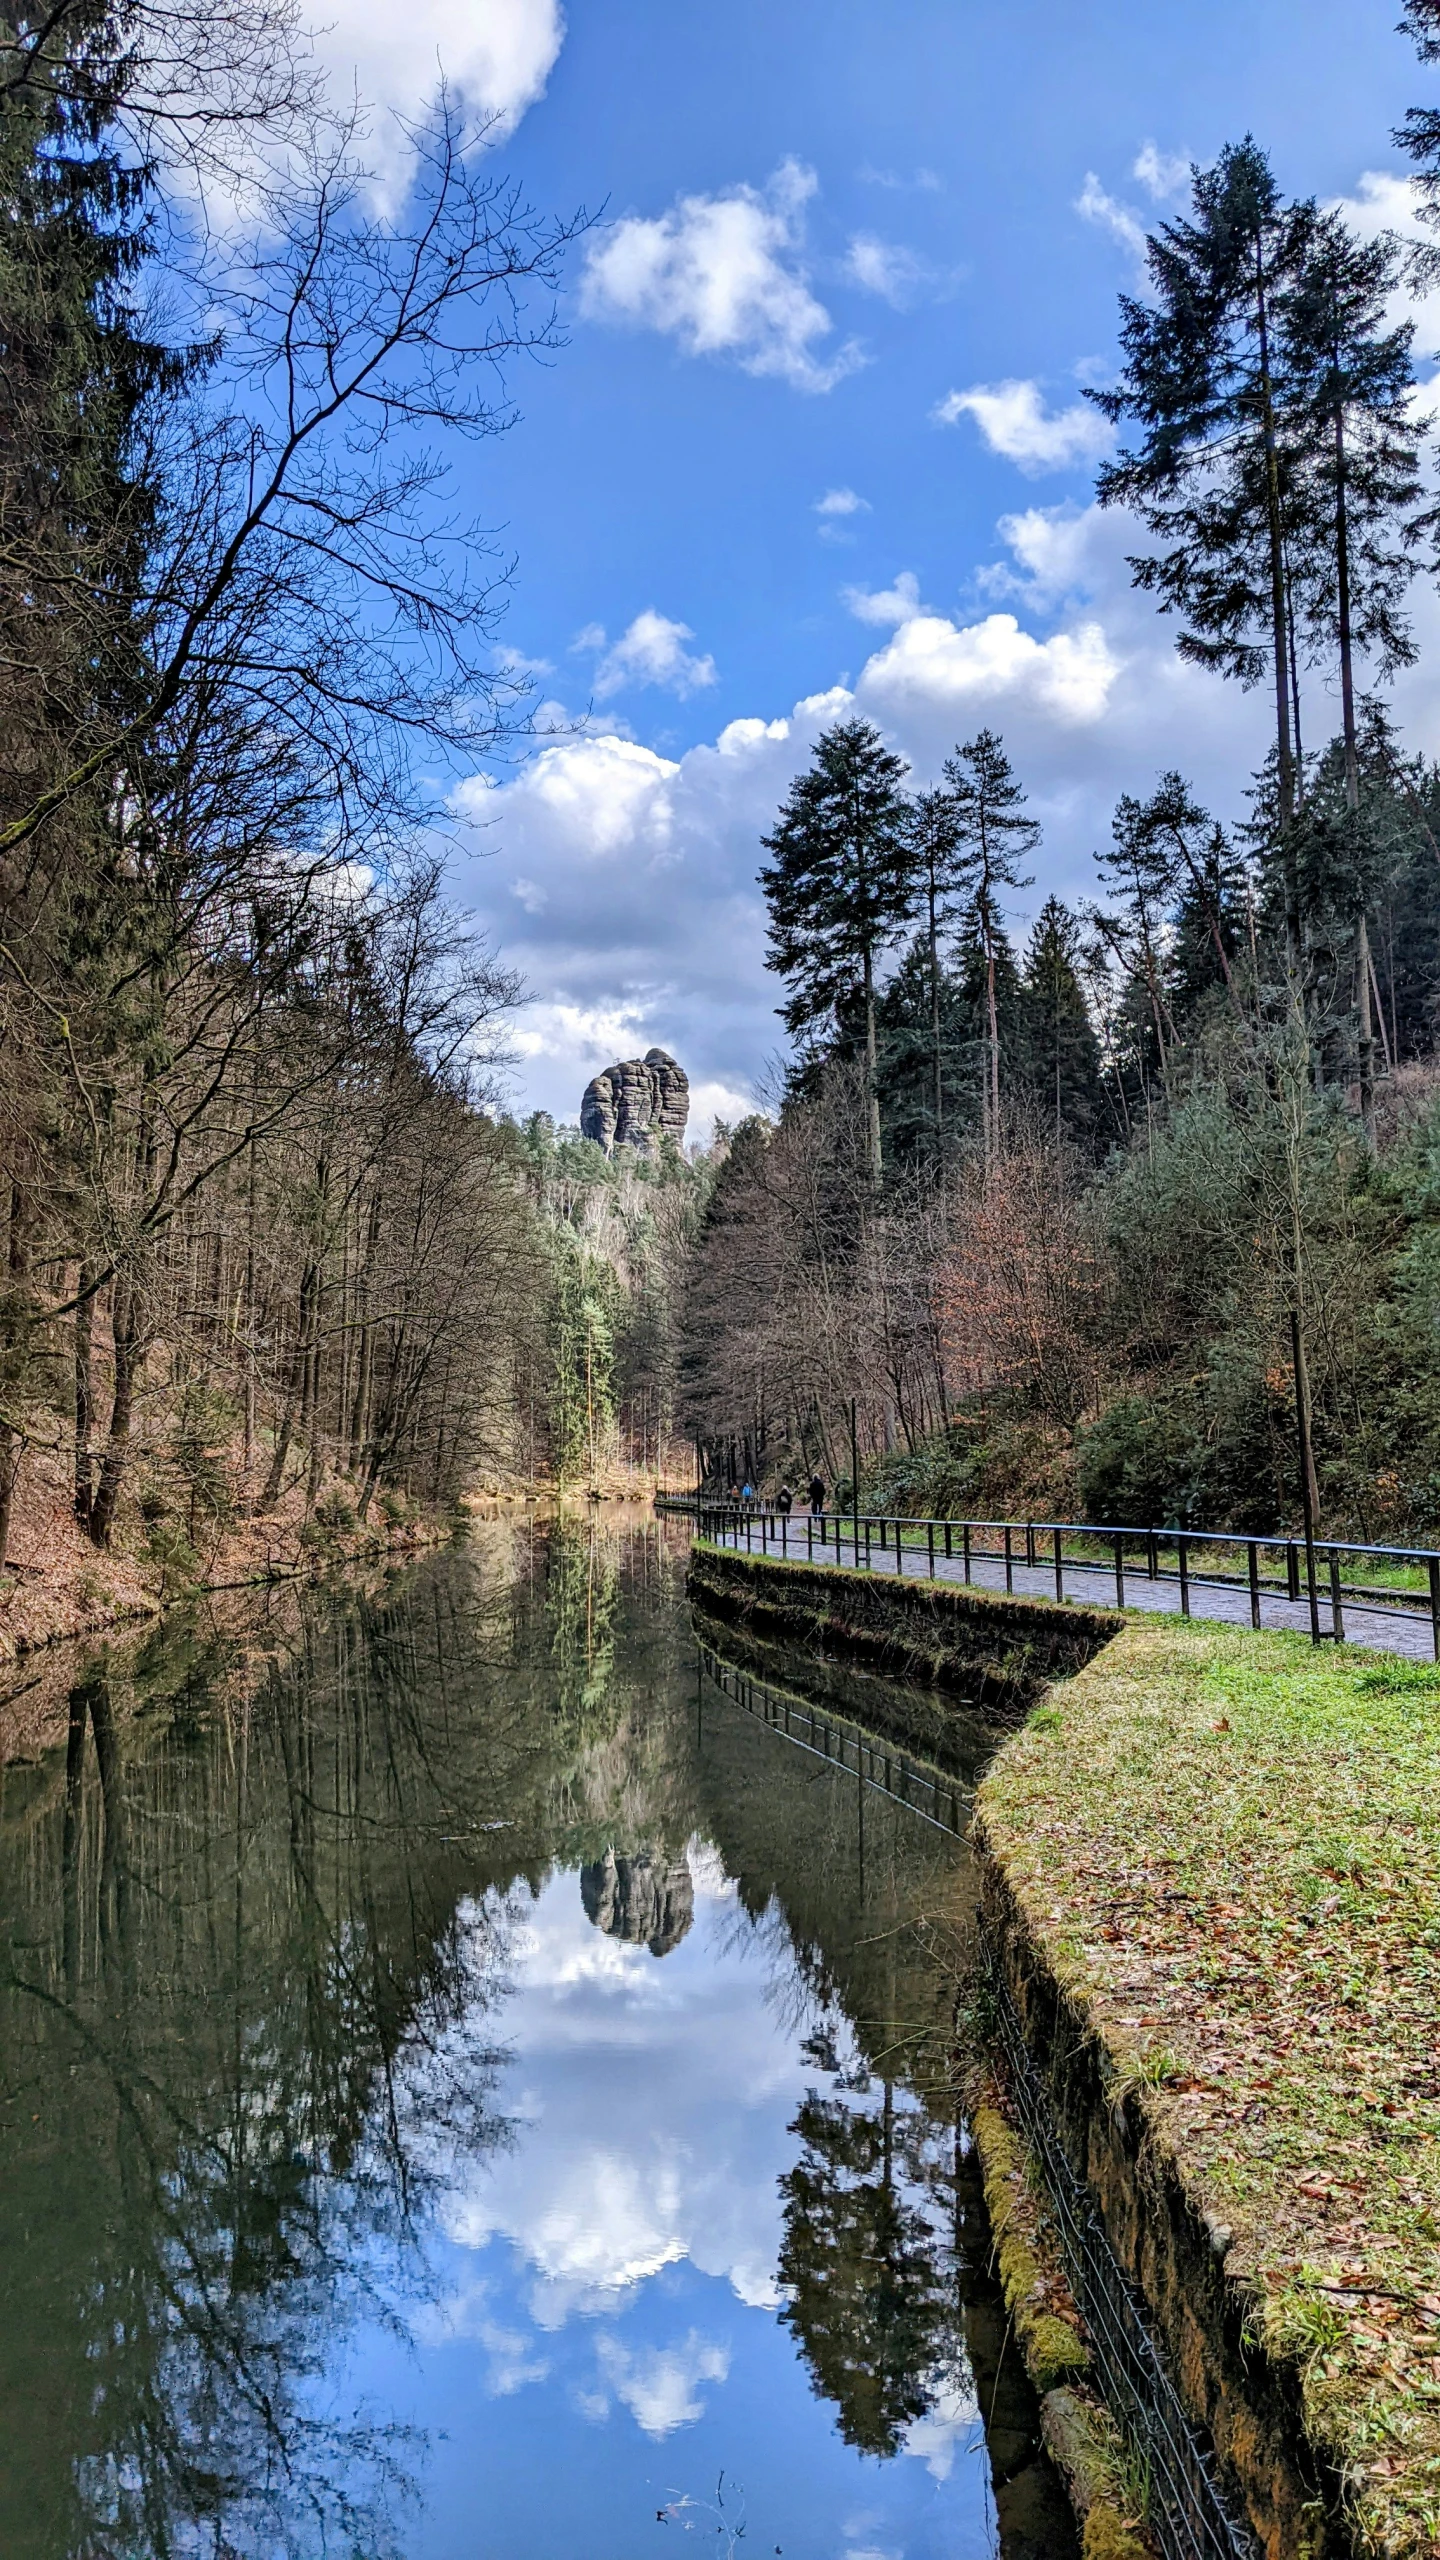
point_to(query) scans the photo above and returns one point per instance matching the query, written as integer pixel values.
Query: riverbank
(56, 1585)
(998, 1652)
(1212, 1877)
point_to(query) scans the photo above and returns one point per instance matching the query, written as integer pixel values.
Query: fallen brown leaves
(1231, 1845)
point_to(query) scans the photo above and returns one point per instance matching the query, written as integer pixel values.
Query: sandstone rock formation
(639, 1899)
(637, 1103)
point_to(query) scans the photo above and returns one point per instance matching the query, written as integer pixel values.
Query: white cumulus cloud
(886, 605)
(932, 663)
(496, 56)
(841, 502)
(1013, 419)
(651, 651)
(723, 275)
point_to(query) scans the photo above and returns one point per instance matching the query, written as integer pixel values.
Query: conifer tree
(840, 887)
(1213, 472)
(1064, 1052)
(936, 856)
(992, 837)
(1350, 375)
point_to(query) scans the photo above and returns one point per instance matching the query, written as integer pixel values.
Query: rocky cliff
(647, 1901)
(637, 1103)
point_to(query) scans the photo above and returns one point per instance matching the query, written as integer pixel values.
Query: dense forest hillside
(1140, 1221)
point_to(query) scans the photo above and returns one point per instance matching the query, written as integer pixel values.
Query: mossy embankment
(1211, 1869)
(997, 1651)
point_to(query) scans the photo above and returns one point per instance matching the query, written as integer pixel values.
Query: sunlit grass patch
(1231, 1846)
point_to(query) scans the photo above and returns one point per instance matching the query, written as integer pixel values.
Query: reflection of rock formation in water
(639, 1900)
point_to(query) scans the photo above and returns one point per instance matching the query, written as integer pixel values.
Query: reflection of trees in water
(253, 1954)
(873, 2301)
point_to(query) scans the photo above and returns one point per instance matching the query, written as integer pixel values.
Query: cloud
(1161, 173)
(638, 920)
(1013, 419)
(886, 268)
(894, 604)
(496, 58)
(660, 2385)
(841, 502)
(1052, 547)
(932, 663)
(923, 182)
(651, 652)
(1096, 206)
(724, 276)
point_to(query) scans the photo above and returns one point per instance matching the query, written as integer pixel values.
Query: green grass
(1230, 1845)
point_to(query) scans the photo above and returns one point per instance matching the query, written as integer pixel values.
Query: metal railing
(1292, 1569)
(931, 1793)
(1184, 2506)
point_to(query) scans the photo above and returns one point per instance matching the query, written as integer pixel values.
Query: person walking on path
(783, 1501)
(817, 1496)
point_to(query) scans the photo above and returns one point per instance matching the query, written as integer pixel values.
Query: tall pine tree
(992, 837)
(840, 886)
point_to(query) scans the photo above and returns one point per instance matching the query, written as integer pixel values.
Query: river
(474, 2087)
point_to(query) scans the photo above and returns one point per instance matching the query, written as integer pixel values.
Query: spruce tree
(992, 837)
(1213, 473)
(1064, 1063)
(840, 887)
(937, 848)
(1351, 378)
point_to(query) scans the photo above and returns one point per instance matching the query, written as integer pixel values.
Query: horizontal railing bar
(1068, 1528)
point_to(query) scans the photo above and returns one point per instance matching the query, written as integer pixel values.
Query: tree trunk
(872, 1073)
(128, 1361)
(84, 1399)
(1279, 618)
(935, 1022)
(11, 1436)
(1352, 777)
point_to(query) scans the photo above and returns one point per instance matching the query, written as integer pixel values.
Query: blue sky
(863, 253)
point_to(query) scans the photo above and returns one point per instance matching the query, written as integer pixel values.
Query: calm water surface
(471, 2090)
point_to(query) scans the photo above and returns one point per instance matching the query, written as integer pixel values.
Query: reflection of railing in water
(927, 1792)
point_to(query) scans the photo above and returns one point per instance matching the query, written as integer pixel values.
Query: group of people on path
(785, 1498)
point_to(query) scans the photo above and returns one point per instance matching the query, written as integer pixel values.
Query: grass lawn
(1230, 1845)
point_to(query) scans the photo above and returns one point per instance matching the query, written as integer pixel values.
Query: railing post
(1292, 1570)
(1152, 1549)
(1009, 1561)
(899, 1550)
(1030, 1542)
(1337, 1614)
(809, 1537)
(1182, 1549)
(784, 1533)
(1119, 1573)
(949, 1550)
(882, 1533)
(1059, 1565)
(868, 1526)
(930, 1546)
(1254, 1584)
(1435, 1605)
(965, 1532)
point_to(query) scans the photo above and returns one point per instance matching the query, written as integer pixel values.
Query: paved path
(1382, 1630)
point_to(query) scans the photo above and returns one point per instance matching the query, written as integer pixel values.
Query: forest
(1136, 1223)
(273, 1241)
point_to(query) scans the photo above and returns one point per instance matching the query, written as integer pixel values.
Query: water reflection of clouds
(590, 2261)
(669, 2147)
